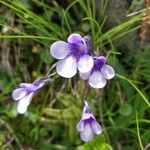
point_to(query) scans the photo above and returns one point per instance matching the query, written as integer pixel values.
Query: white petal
(59, 49)
(96, 127)
(84, 76)
(96, 80)
(18, 93)
(108, 72)
(87, 133)
(67, 67)
(80, 125)
(85, 63)
(23, 103)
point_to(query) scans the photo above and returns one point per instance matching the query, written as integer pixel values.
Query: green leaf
(125, 110)
(68, 113)
(45, 57)
(97, 143)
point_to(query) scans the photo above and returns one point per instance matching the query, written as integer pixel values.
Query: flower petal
(18, 93)
(80, 126)
(87, 113)
(84, 76)
(23, 103)
(88, 116)
(85, 63)
(67, 67)
(87, 133)
(108, 72)
(59, 49)
(96, 80)
(74, 38)
(28, 86)
(96, 127)
(32, 87)
(88, 41)
(102, 59)
(25, 85)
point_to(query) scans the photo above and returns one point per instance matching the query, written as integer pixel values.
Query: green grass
(122, 107)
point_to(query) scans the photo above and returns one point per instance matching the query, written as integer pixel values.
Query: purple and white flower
(88, 125)
(99, 74)
(25, 92)
(72, 55)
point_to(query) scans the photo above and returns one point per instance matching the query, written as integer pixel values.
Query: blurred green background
(28, 28)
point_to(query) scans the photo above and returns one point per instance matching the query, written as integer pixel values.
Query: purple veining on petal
(98, 63)
(32, 87)
(74, 38)
(89, 120)
(29, 87)
(78, 46)
(77, 50)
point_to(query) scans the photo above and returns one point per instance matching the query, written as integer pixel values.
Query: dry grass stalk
(144, 26)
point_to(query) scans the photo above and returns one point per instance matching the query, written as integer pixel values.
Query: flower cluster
(73, 55)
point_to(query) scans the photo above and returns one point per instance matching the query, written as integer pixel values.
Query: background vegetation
(28, 28)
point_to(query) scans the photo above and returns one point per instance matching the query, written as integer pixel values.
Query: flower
(72, 55)
(88, 125)
(99, 74)
(25, 92)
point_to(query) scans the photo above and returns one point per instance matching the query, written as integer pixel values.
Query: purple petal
(23, 103)
(96, 80)
(18, 93)
(96, 127)
(74, 38)
(85, 63)
(26, 85)
(87, 133)
(108, 72)
(87, 114)
(31, 87)
(88, 42)
(67, 67)
(84, 76)
(101, 59)
(59, 49)
(80, 126)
